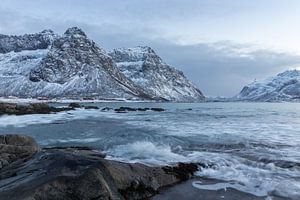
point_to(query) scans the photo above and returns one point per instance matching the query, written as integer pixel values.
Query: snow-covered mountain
(283, 87)
(72, 65)
(36, 41)
(146, 69)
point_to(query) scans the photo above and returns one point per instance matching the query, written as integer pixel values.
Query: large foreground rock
(81, 173)
(16, 147)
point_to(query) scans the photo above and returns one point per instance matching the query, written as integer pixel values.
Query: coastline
(128, 152)
(28, 172)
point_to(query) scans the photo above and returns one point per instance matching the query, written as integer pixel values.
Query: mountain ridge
(145, 68)
(284, 86)
(71, 65)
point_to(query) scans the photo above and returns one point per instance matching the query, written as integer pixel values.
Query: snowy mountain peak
(290, 73)
(75, 31)
(72, 65)
(79, 67)
(283, 87)
(147, 70)
(135, 54)
(35, 41)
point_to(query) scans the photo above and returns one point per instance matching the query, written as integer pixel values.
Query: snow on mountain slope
(146, 69)
(36, 41)
(81, 68)
(283, 87)
(72, 66)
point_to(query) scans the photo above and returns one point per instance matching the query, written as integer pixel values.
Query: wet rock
(158, 109)
(23, 109)
(91, 107)
(124, 109)
(129, 109)
(74, 105)
(105, 109)
(143, 109)
(182, 171)
(82, 173)
(15, 147)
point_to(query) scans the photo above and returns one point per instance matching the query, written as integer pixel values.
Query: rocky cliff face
(72, 65)
(283, 87)
(146, 69)
(40, 40)
(82, 68)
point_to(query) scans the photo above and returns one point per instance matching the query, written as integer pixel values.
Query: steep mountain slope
(283, 87)
(82, 68)
(72, 66)
(146, 69)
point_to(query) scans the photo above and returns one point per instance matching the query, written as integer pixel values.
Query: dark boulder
(143, 109)
(158, 109)
(74, 105)
(129, 109)
(105, 109)
(91, 107)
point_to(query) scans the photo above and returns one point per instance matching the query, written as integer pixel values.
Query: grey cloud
(217, 68)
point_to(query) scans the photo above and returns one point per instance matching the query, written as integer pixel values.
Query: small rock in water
(143, 109)
(106, 109)
(129, 109)
(74, 105)
(91, 107)
(158, 109)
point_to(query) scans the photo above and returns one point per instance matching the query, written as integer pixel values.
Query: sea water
(252, 147)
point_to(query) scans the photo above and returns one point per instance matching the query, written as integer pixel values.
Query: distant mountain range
(73, 66)
(283, 87)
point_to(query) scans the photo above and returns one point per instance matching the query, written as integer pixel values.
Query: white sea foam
(255, 178)
(265, 131)
(69, 140)
(145, 152)
(237, 186)
(258, 179)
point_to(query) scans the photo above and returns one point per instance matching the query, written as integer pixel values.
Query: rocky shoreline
(44, 108)
(31, 173)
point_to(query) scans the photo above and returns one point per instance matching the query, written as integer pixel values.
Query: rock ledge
(79, 173)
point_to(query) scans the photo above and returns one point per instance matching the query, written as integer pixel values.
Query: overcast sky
(221, 45)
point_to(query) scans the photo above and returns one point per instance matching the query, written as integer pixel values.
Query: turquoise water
(253, 147)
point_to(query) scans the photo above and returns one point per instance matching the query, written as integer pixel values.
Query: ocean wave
(145, 152)
(249, 176)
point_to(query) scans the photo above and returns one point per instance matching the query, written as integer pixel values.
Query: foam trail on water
(237, 186)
